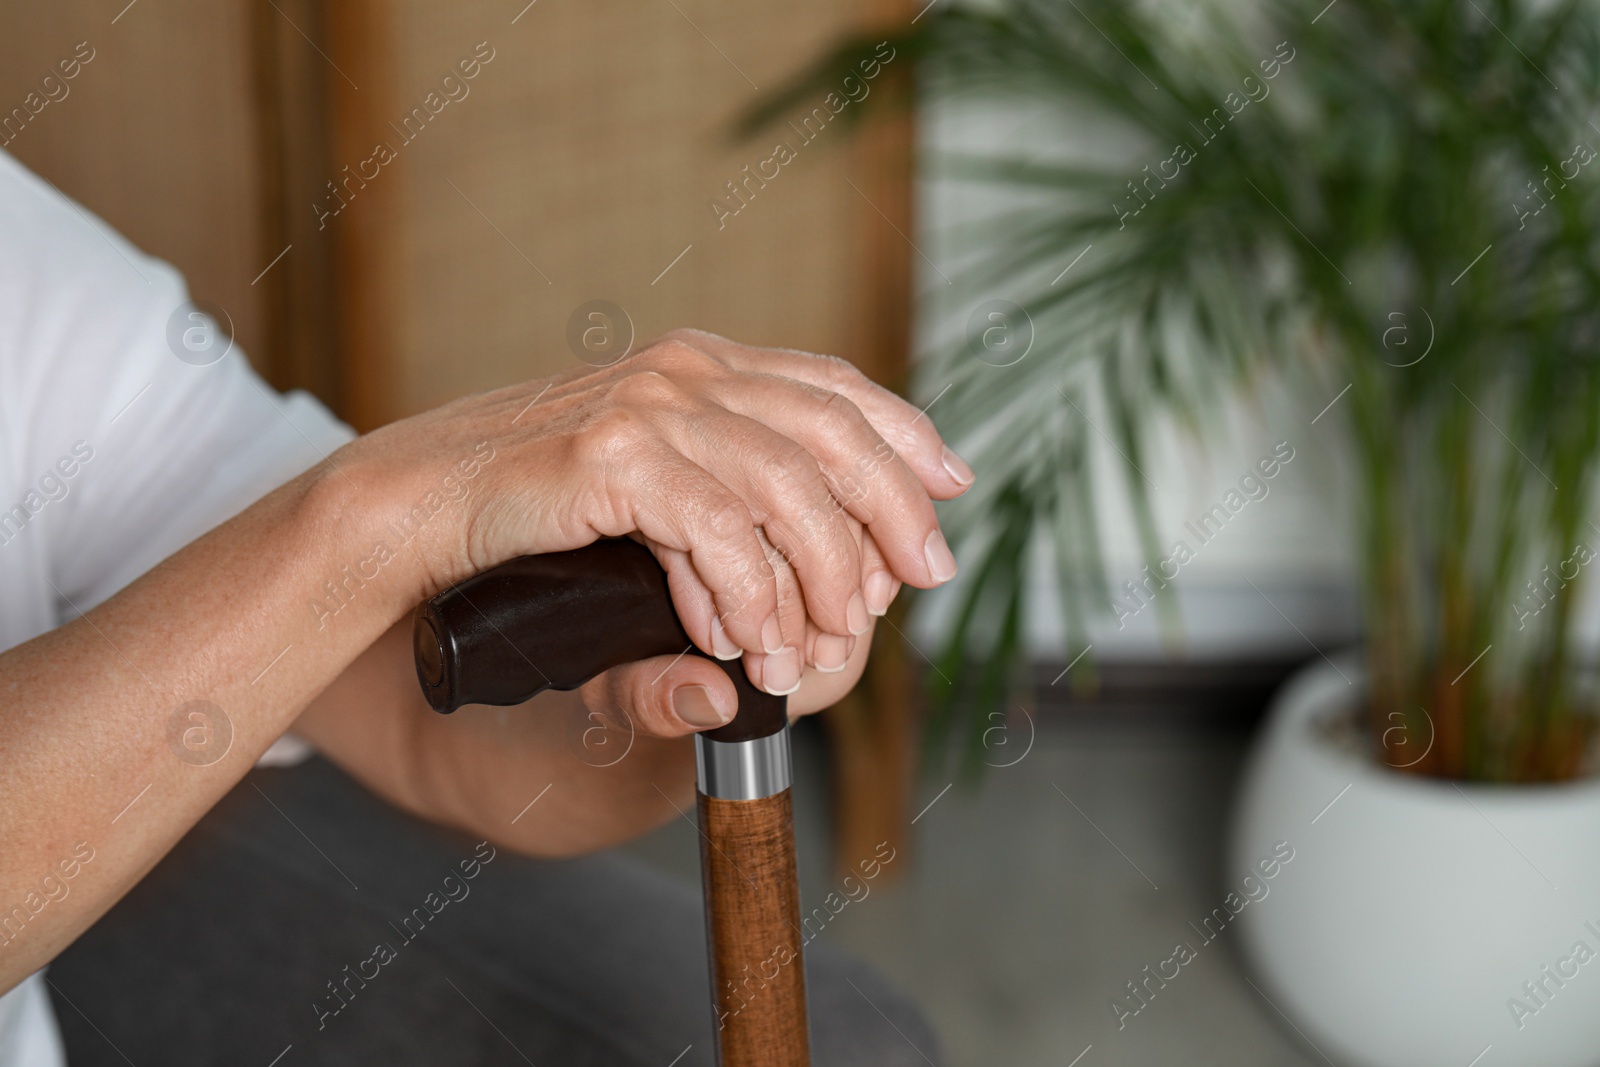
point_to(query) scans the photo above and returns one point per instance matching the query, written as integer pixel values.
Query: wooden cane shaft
(753, 924)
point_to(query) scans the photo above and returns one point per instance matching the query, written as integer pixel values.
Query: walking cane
(557, 620)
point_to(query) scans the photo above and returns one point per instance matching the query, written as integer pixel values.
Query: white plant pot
(1414, 910)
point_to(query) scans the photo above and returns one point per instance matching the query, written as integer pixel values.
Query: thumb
(664, 696)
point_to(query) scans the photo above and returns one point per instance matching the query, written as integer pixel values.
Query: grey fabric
(227, 952)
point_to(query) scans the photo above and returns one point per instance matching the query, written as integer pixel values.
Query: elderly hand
(785, 494)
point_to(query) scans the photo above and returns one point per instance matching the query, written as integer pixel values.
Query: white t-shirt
(114, 451)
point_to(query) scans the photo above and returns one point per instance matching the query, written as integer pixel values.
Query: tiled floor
(1029, 901)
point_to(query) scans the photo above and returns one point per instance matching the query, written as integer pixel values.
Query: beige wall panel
(579, 166)
(156, 134)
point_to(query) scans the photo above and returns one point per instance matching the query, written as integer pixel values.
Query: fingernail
(957, 467)
(855, 615)
(693, 705)
(941, 562)
(880, 589)
(780, 672)
(832, 652)
(722, 645)
(771, 635)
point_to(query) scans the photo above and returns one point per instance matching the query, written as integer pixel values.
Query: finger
(828, 653)
(878, 586)
(864, 473)
(788, 496)
(664, 696)
(694, 602)
(779, 672)
(907, 429)
(819, 690)
(678, 505)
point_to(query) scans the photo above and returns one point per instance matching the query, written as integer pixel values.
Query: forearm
(94, 715)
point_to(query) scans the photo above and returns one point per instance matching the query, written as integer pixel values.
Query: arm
(88, 769)
(706, 450)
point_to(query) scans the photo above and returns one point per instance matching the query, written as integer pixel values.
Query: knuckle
(647, 387)
(840, 373)
(881, 455)
(694, 337)
(842, 420)
(609, 431)
(791, 468)
(647, 696)
(847, 490)
(742, 600)
(752, 583)
(676, 353)
(727, 518)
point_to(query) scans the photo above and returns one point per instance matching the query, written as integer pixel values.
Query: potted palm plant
(1393, 210)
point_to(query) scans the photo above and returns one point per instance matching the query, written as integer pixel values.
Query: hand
(785, 494)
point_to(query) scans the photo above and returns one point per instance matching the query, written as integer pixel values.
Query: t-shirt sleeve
(135, 425)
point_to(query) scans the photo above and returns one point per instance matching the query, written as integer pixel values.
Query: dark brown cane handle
(555, 621)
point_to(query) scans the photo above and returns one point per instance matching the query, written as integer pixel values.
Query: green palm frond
(1259, 190)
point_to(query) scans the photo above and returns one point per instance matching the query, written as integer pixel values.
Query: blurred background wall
(156, 134)
(581, 165)
(577, 163)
